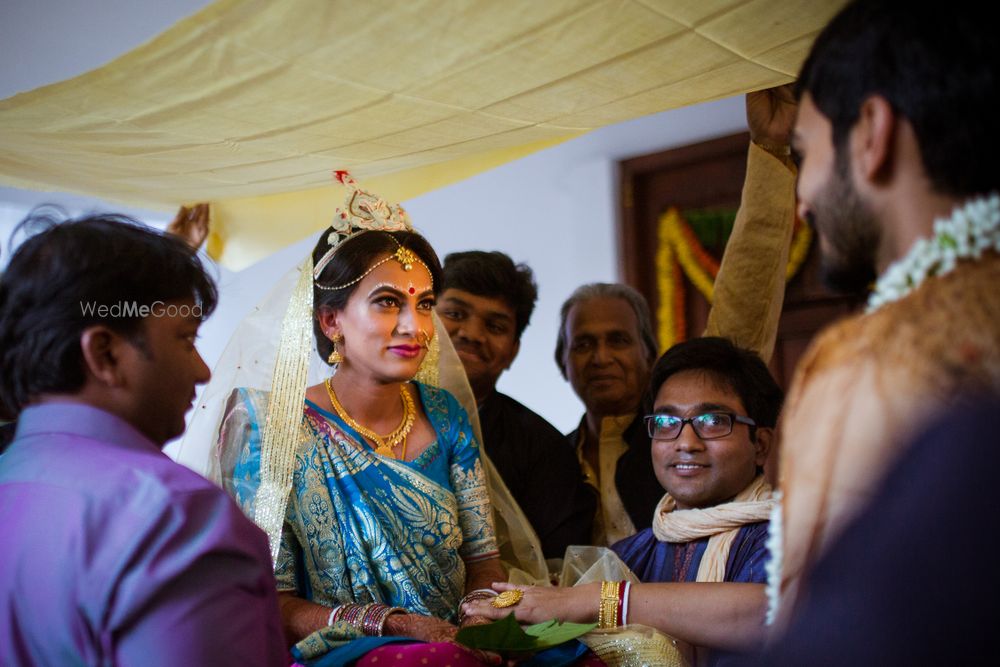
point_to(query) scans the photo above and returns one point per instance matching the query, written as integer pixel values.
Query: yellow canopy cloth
(249, 98)
(719, 524)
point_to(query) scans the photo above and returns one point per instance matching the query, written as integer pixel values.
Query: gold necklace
(384, 445)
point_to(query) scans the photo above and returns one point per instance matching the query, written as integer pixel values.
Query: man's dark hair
(937, 66)
(739, 370)
(355, 256)
(55, 280)
(494, 275)
(630, 295)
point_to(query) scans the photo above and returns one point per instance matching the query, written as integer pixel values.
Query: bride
(369, 483)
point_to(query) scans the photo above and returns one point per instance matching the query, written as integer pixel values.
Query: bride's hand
(425, 628)
(577, 604)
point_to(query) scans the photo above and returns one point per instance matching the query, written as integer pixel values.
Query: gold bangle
(607, 614)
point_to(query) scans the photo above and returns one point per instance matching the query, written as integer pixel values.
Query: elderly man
(112, 553)
(897, 134)
(605, 349)
(606, 344)
(486, 305)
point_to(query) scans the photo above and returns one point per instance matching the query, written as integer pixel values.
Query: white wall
(44, 41)
(15, 204)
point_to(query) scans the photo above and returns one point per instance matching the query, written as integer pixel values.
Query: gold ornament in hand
(507, 599)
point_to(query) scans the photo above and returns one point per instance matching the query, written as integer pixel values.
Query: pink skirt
(441, 654)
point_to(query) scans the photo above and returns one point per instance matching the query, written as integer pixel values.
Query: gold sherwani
(864, 387)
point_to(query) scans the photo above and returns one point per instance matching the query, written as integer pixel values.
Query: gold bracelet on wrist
(607, 613)
(478, 594)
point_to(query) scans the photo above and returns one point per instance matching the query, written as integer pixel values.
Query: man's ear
(102, 354)
(873, 138)
(762, 444)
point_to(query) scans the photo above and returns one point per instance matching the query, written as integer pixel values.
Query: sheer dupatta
(251, 360)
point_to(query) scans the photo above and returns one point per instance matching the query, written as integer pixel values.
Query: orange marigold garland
(679, 250)
(680, 313)
(669, 317)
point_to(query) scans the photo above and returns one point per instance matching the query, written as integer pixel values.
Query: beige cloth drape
(251, 99)
(750, 287)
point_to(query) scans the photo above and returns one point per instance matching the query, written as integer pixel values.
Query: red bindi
(412, 290)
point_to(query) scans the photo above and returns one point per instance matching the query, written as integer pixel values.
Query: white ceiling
(45, 41)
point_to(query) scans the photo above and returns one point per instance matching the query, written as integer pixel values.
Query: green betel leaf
(506, 635)
(553, 633)
(503, 635)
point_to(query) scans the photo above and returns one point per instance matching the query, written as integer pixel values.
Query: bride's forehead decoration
(365, 212)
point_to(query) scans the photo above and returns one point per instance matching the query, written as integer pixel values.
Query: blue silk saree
(363, 528)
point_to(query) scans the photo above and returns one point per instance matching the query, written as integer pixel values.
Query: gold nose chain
(384, 444)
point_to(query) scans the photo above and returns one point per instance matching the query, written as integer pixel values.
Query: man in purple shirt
(112, 553)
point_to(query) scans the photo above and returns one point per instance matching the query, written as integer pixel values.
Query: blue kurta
(655, 561)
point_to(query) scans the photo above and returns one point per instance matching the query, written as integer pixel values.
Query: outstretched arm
(726, 616)
(750, 287)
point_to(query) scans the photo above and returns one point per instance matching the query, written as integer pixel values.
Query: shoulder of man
(527, 419)
(573, 437)
(638, 487)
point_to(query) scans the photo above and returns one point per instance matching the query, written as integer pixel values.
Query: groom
(897, 137)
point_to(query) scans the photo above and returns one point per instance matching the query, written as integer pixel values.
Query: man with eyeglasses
(711, 428)
(606, 341)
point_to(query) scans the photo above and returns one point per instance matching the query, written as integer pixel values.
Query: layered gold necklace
(384, 444)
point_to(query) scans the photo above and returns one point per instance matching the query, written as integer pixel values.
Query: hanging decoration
(680, 254)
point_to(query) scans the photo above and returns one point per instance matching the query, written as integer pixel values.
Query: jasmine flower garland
(972, 229)
(773, 567)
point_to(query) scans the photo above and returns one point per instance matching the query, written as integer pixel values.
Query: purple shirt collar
(81, 420)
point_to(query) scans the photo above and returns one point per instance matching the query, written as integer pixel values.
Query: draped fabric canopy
(250, 104)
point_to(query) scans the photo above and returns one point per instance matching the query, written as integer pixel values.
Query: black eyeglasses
(709, 426)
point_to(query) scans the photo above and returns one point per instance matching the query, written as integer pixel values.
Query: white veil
(250, 360)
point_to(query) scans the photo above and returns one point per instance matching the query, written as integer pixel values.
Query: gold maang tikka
(404, 256)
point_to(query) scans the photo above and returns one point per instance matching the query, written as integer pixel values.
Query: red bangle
(621, 604)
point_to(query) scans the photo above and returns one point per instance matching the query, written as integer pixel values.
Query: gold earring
(335, 357)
